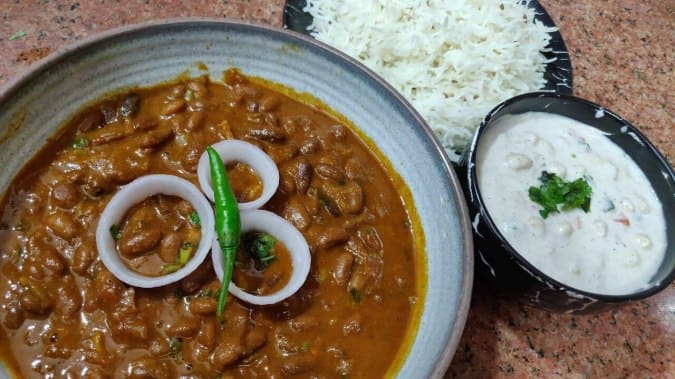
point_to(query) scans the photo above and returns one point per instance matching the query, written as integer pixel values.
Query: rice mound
(453, 60)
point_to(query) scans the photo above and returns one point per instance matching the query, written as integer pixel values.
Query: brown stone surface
(623, 56)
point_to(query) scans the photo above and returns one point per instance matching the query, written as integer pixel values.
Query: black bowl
(513, 271)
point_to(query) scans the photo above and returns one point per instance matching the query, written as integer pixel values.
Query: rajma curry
(63, 314)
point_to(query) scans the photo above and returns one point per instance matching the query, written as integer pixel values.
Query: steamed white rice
(454, 60)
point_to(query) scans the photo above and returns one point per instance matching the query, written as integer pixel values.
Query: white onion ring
(132, 194)
(282, 230)
(254, 157)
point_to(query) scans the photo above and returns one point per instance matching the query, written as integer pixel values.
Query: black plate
(558, 73)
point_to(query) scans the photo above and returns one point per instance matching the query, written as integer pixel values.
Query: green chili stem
(228, 224)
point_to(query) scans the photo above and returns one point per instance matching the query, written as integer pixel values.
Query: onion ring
(282, 230)
(132, 194)
(254, 157)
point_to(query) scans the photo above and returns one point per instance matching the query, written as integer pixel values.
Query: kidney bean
(309, 146)
(352, 325)
(36, 298)
(269, 103)
(91, 120)
(148, 368)
(191, 283)
(177, 92)
(94, 349)
(109, 112)
(347, 198)
(135, 242)
(144, 123)
(42, 259)
(155, 138)
(65, 195)
(82, 258)
(358, 280)
(303, 322)
(172, 107)
(203, 306)
(62, 224)
(70, 300)
(330, 172)
(342, 268)
(266, 133)
(330, 237)
(108, 288)
(130, 105)
(107, 134)
(303, 175)
(169, 247)
(298, 364)
(282, 153)
(338, 131)
(183, 327)
(12, 315)
(296, 213)
(254, 340)
(207, 333)
(195, 121)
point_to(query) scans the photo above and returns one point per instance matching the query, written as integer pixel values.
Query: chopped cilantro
(554, 191)
(17, 35)
(115, 231)
(184, 255)
(175, 347)
(194, 219)
(210, 293)
(356, 295)
(80, 143)
(305, 346)
(259, 247)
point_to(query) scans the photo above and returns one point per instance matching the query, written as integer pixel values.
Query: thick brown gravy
(63, 314)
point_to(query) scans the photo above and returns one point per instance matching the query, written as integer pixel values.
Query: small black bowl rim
(524, 263)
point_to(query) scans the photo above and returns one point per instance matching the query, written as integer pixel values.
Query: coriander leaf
(194, 219)
(17, 35)
(175, 347)
(188, 96)
(184, 255)
(259, 247)
(115, 231)
(80, 143)
(356, 295)
(554, 191)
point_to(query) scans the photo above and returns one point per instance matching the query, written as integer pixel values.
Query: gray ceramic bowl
(34, 105)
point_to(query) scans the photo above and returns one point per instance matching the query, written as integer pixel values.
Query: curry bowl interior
(35, 105)
(654, 165)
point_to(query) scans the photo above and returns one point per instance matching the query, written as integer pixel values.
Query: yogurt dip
(616, 247)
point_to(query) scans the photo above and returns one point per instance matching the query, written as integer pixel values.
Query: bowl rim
(513, 253)
(24, 77)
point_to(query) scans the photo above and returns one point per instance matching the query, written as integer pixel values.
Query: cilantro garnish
(115, 231)
(80, 143)
(259, 247)
(554, 192)
(184, 255)
(356, 295)
(194, 218)
(175, 347)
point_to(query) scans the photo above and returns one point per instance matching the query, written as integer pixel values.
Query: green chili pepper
(228, 225)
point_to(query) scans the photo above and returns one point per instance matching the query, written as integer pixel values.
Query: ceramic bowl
(501, 261)
(35, 104)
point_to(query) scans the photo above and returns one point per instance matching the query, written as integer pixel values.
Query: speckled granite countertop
(623, 57)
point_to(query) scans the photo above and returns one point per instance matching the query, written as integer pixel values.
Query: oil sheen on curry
(63, 314)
